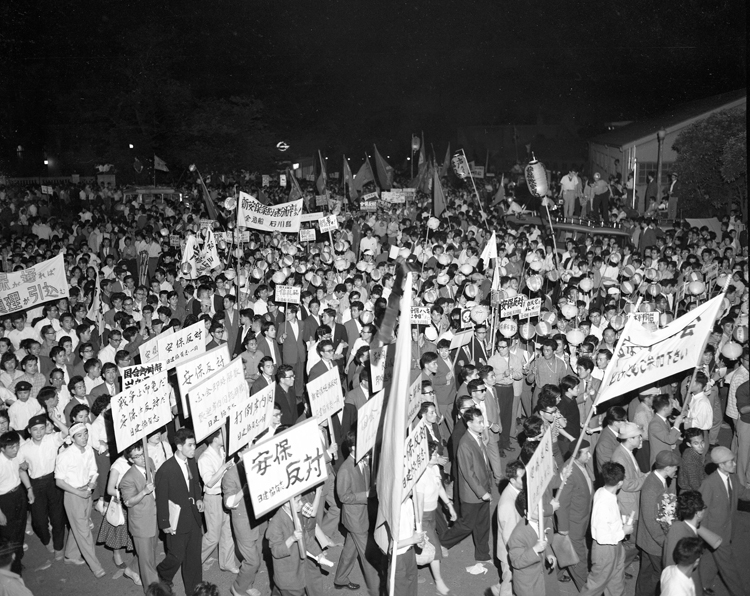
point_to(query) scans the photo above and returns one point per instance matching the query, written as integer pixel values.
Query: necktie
(729, 491)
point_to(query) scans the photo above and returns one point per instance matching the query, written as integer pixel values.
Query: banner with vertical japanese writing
(415, 399)
(285, 466)
(285, 217)
(193, 371)
(141, 409)
(325, 394)
(539, 470)
(416, 457)
(377, 368)
(252, 417)
(216, 398)
(182, 345)
(368, 422)
(33, 286)
(149, 350)
(132, 375)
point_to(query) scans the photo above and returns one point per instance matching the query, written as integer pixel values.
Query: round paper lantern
(470, 291)
(242, 280)
(445, 259)
(479, 313)
(722, 280)
(536, 178)
(654, 289)
(341, 264)
(569, 311)
(532, 256)
(740, 334)
(628, 271)
(651, 274)
(586, 284)
(278, 277)
(695, 276)
(164, 232)
(287, 261)
(230, 274)
(433, 223)
(575, 337)
(367, 317)
(535, 265)
(627, 287)
(404, 253)
(628, 308)
(185, 268)
(466, 269)
(429, 296)
(548, 317)
(534, 283)
(731, 350)
(256, 273)
(618, 322)
(230, 203)
(301, 268)
(527, 331)
(636, 279)
(543, 328)
(665, 319)
(458, 279)
(696, 288)
(511, 293)
(553, 275)
(262, 265)
(646, 307)
(508, 327)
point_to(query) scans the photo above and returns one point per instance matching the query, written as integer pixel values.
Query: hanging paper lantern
(696, 288)
(665, 319)
(569, 311)
(230, 274)
(256, 273)
(185, 268)
(341, 264)
(740, 334)
(553, 275)
(618, 322)
(636, 279)
(651, 274)
(695, 276)
(535, 265)
(510, 293)
(646, 306)
(627, 287)
(534, 283)
(532, 256)
(164, 232)
(654, 289)
(242, 280)
(628, 308)
(458, 279)
(416, 143)
(543, 328)
(548, 317)
(278, 277)
(536, 177)
(230, 203)
(586, 284)
(367, 317)
(527, 331)
(433, 223)
(466, 269)
(575, 337)
(479, 313)
(721, 281)
(731, 350)
(508, 327)
(628, 271)
(429, 296)
(470, 291)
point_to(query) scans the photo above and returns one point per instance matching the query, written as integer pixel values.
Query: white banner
(182, 345)
(33, 286)
(285, 466)
(643, 357)
(392, 197)
(377, 369)
(368, 422)
(248, 421)
(539, 470)
(207, 257)
(325, 394)
(416, 457)
(149, 350)
(290, 294)
(216, 398)
(328, 223)
(131, 375)
(141, 409)
(194, 370)
(251, 213)
(415, 399)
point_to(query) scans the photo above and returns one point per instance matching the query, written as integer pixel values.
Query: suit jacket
(529, 575)
(507, 520)
(575, 504)
(719, 509)
(473, 470)
(661, 437)
(260, 383)
(353, 488)
(677, 531)
(171, 486)
(493, 417)
(293, 349)
(338, 334)
(319, 370)
(629, 496)
(309, 327)
(355, 399)
(651, 534)
(141, 517)
(232, 483)
(288, 403)
(242, 335)
(102, 390)
(605, 447)
(288, 566)
(232, 328)
(352, 331)
(270, 348)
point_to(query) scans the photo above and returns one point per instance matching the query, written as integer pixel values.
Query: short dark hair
(511, 470)
(612, 473)
(10, 438)
(689, 503)
(688, 550)
(182, 435)
(661, 401)
(691, 433)
(471, 414)
(282, 370)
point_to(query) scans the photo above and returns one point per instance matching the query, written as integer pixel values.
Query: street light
(660, 136)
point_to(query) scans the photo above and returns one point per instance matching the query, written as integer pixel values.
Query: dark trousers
(183, 550)
(724, 561)
(648, 575)
(601, 207)
(475, 520)
(13, 505)
(580, 571)
(405, 582)
(48, 510)
(505, 401)
(356, 545)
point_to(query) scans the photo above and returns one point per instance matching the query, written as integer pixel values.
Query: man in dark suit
(353, 490)
(607, 443)
(293, 351)
(231, 320)
(325, 351)
(138, 496)
(720, 492)
(576, 497)
(312, 321)
(111, 384)
(267, 342)
(267, 370)
(353, 326)
(651, 534)
(354, 400)
(690, 510)
(285, 395)
(475, 489)
(459, 430)
(245, 330)
(672, 191)
(661, 435)
(338, 334)
(178, 483)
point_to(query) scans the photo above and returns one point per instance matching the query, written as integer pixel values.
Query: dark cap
(666, 458)
(23, 386)
(36, 420)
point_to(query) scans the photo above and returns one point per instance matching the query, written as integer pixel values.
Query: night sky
(347, 73)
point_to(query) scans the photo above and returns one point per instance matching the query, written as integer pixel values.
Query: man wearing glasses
(285, 396)
(487, 404)
(325, 351)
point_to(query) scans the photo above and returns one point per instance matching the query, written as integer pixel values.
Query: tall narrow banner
(140, 410)
(285, 217)
(216, 398)
(368, 422)
(643, 357)
(285, 466)
(195, 370)
(539, 470)
(415, 399)
(416, 457)
(325, 394)
(253, 416)
(33, 286)
(182, 345)
(377, 368)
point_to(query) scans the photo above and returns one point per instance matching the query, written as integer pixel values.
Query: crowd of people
(652, 477)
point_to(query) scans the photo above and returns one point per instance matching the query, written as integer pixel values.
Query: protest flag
(296, 192)
(385, 171)
(364, 176)
(445, 168)
(322, 180)
(438, 199)
(422, 152)
(262, 198)
(160, 164)
(390, 475)
(490, 250)
(348, 178)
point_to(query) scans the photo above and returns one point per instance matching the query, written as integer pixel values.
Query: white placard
(368, 205)
(290, 294)
(420, 315)
(195, 370)
(182, 345)
(377, 369)
(285, 217)
(539, 470)
(307, 235)
(531, 308)
(216, 398)
(321, 200)
(370, 196)
(368, 422)
(251, 419)
(461, 338)
(510, 307)
(33, 286)
(46, 190)
(285, 466)
(149, 350)
(131, 375)
(266, 180)
(282, 180)
(415, 399)
(325, 394)
(328, 223)
(140, 410)
(416, 457)
(646, 317)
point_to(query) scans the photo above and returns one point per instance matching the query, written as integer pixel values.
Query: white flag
(490, 250)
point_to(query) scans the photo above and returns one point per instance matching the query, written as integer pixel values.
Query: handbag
(427, 553)
(564, 551)
(115, 515)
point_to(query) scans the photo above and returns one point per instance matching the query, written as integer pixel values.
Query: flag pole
(476, 192)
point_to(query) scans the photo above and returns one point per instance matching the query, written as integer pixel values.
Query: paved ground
(65, 580)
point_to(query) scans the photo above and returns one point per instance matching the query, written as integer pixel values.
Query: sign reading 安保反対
(193, 371)
(216, 398)
(177, 347)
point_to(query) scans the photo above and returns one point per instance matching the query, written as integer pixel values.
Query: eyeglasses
(290, 376)
(327, 350)
(430, 392)
(480, 390)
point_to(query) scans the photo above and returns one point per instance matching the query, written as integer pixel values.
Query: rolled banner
(711, 538)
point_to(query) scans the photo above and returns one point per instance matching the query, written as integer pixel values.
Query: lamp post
(660, 135)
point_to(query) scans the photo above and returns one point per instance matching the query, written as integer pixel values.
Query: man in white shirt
(676, 580)
(21, 411)
(15, 490)
(76, 474)
(21, 331)
(107, 353)
(700, 414)
(570, 187)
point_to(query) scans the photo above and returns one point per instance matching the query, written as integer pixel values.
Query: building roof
(672, 118)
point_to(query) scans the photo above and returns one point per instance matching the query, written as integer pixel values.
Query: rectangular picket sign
(368, 422)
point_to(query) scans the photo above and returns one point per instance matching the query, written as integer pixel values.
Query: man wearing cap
(23, 408)
(37, 457)
(630, 437)
(76, 474)
(720, 491)
(651, 534)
